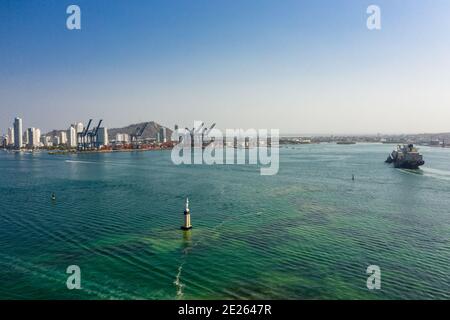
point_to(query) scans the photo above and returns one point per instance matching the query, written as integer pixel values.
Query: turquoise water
(307, 233)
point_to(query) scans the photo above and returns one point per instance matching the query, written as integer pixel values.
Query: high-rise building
(25, 138)
(102, 136)
(46, 141)
(72, 136)
(63, 137)
(10, 141)
(162, 135)
(79, 127)
(17, 133)
(31, 135)
(56, 141)
(176, 132)
(37, 137)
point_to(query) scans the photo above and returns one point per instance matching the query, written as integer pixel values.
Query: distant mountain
(54, 133)
(151, 131)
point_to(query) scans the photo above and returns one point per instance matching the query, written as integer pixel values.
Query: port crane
(93, 136)
(81, 137)
(88, 139)
(206, 131)
(193, 132)
(138, 134)
(203, 131)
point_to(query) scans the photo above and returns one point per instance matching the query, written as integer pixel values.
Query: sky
(307, 67)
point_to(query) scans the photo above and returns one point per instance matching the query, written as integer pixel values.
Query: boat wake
(178, 284)
(437, 174)
(417, 172)
(79, 161)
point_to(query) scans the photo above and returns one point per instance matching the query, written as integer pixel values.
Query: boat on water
(406, 157)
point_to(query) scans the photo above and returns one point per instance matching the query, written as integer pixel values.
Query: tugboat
(406, 157)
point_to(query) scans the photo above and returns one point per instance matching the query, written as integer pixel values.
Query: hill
(151, 131)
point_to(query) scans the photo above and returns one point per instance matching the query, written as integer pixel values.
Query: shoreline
(106, 151)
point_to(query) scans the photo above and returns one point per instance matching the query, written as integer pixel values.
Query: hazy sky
(300, 66)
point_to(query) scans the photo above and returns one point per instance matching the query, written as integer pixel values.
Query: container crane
(93, 136)
(138, 134)
(82, 143)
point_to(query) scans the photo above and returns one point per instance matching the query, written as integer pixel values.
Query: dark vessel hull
(405, 160)
(408, 165)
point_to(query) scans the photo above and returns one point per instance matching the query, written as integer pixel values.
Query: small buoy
(53, 196)
(187, 217)
(353, 177)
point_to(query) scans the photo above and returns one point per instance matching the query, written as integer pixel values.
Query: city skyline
(79, 135)
(302, 67)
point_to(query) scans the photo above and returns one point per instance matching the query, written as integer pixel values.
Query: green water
(307, 233)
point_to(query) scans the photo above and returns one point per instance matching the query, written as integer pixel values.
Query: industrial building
(122, 138)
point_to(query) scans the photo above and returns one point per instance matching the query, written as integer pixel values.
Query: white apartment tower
(10, 141)
(56, 141)
(102, 136)
(17, 133)
(31, 135)
(63, 137)
(79, 127)
(37, 137)
(72, 136)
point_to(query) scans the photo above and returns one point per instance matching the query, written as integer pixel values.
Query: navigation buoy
(353, 177)
(187, 217)
(53, 196)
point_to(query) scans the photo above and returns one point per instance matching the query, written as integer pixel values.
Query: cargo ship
(406, 157)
